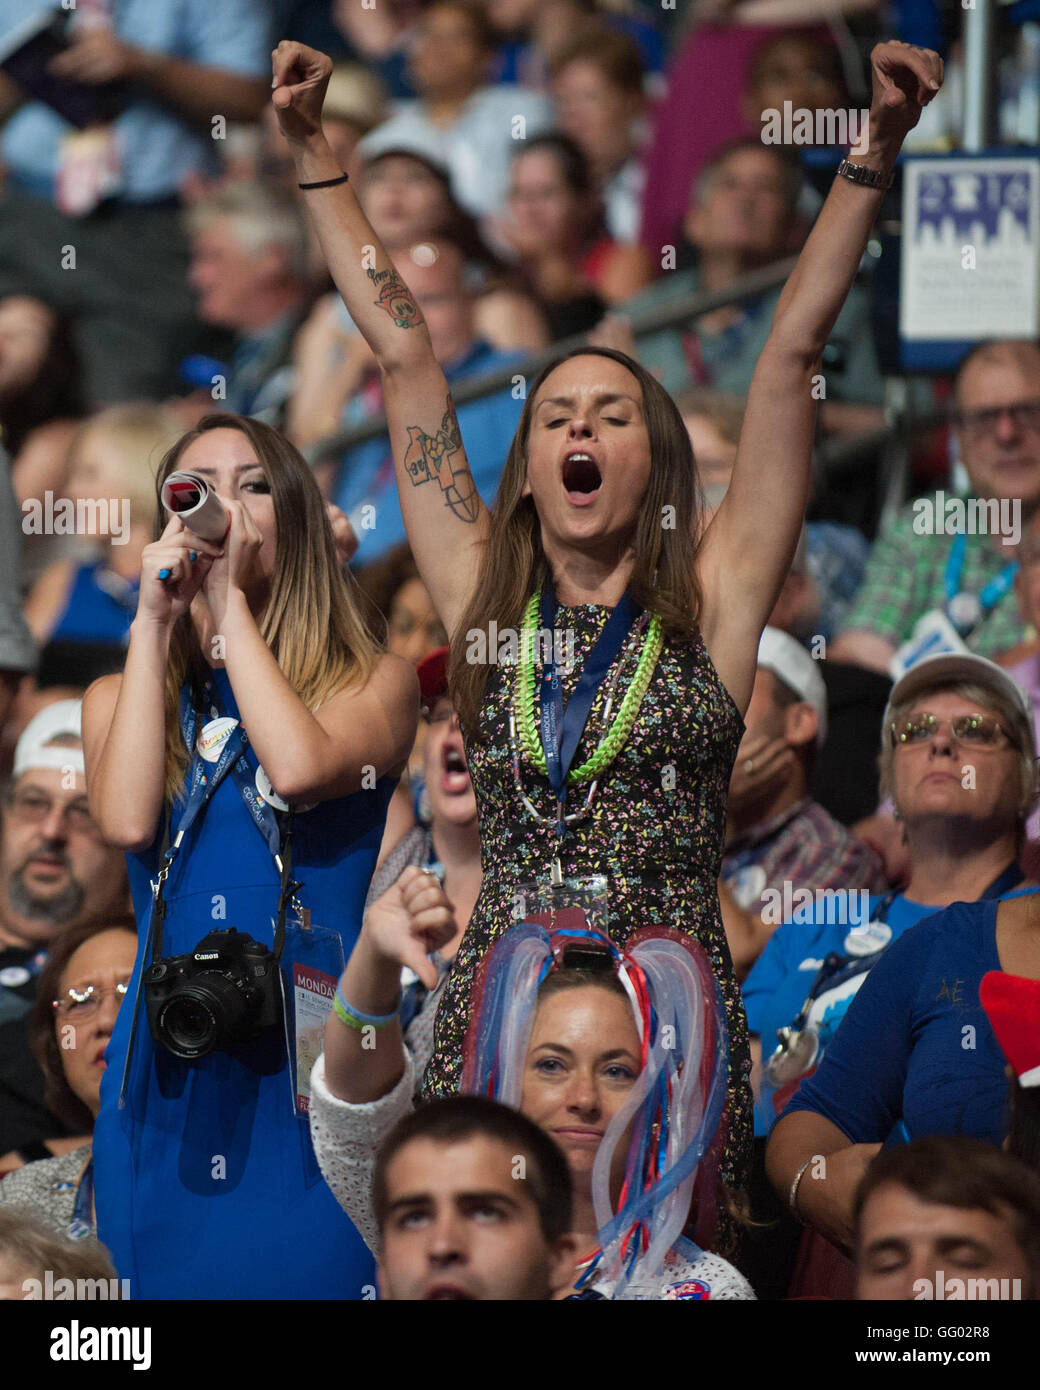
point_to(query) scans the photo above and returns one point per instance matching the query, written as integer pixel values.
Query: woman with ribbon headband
(245, 759)
(603, 639)
(620, 1056)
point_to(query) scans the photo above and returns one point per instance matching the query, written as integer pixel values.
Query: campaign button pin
(868, 939)
(748, 885)
(213, 737)
(268, 794)
(965, 611)
(14, 976)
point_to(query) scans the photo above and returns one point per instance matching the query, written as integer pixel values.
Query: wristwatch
(869, 178)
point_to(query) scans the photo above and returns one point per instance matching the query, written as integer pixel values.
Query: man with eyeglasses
(55, 872)
(918, 570)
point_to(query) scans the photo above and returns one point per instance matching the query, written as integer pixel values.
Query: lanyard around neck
(992, 592)
(562, 728)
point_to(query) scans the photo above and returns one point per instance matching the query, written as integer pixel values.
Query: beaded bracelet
(354, 1018)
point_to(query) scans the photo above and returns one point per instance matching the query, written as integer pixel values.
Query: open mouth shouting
(582, 478)
(454, 772)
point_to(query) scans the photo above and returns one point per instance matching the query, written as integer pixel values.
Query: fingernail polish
(193, 555)
(164, 574)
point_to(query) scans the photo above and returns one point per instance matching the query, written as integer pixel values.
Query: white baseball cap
(782, 654)
(36, 746)
(415, 141)
(950, 668)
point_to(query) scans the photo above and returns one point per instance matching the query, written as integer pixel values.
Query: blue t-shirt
(915, 1045)
(158, 148)
(781, 978)
(487, 427)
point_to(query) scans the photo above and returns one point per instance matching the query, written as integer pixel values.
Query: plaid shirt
(804, 846)
(906, 576)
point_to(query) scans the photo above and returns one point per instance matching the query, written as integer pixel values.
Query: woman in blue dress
(250, 683)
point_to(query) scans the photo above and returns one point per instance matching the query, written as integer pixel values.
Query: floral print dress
(655, 829)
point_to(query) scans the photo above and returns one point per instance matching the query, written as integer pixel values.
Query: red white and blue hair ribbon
(673, 1110)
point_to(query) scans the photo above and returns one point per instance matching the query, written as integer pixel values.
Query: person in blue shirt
(915, 1054)
(112, 192)
(962, 833)
(963, 842)
(253, 707)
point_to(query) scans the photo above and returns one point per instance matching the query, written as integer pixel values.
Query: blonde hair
(136, 434)
(261, 217)
(723, 410)
(311, 621)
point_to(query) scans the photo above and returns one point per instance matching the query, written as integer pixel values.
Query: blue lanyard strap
(232, 758)
(992, 593)
(562, 728)
(201, 788)
(80, 1225)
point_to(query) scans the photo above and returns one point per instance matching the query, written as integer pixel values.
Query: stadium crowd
(582, 844)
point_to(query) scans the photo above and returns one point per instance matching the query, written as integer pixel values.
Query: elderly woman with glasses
(80, 990)
(915, 1054)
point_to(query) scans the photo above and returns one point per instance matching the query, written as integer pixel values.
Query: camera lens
(188, 1026)
(208, 1013)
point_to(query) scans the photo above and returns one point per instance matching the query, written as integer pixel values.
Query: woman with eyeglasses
(80, 990)
(914, 1054)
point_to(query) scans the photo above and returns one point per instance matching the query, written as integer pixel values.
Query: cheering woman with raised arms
(618, 762)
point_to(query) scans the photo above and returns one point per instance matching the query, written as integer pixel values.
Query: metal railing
(884, 447)
(651, 319)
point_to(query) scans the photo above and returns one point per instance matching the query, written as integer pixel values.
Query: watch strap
(868, 178)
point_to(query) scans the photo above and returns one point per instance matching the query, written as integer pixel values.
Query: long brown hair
(311, 621)
(513, 564)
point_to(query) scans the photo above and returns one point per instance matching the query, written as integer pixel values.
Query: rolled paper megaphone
(191, 498)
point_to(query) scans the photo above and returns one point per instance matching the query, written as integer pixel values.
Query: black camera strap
(289, 886)
(201, 789)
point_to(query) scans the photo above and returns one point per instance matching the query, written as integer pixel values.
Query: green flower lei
(526, 703)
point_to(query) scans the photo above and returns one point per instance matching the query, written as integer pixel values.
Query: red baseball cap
(433, 677)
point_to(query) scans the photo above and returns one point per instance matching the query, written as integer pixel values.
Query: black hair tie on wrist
(326, 183)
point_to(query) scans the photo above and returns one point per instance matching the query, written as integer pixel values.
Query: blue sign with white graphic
(970, 254)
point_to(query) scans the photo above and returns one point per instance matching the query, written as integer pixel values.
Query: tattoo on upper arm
(395, 297)
(440, 457)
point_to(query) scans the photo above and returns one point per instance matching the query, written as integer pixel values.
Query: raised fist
(301, 76)
(905, 79)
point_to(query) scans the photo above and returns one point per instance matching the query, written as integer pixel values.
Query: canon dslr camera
(226, 992)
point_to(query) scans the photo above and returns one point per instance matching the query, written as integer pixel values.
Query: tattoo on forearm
(440, 457)
(395, 297)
